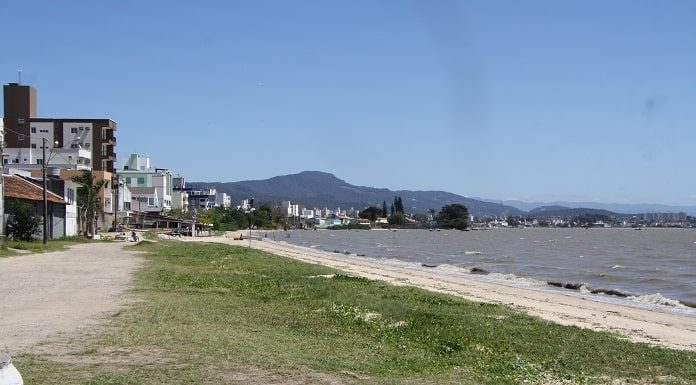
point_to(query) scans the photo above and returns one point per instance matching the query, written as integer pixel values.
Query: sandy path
(46, 295)
(642, 325)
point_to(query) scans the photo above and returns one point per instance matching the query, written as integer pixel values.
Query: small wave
(658, 299)
(449, 267)
(618, 267)
(473, 252)
(516, 279)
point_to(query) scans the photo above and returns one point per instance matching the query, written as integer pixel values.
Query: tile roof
(20, 188)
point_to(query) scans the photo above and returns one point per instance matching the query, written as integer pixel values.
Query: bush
(23, 224)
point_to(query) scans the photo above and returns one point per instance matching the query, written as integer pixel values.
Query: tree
(371, 213)
(384, 208)
(392, 209)
(399, 206)
(89, 203)
(23, 223)
(454, 216)
(432, 213)
(397, 219)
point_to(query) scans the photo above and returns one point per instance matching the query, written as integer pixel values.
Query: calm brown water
(653, 267)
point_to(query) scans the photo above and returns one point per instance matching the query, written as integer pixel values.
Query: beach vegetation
(218, 314)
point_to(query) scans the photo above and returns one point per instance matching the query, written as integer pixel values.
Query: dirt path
(45, 296)
(641, 325)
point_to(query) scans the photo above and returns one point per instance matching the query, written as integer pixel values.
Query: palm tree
(89, 203)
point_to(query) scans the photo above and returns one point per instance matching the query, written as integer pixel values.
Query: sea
(652, 268)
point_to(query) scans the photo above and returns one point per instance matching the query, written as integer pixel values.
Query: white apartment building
(151, 188)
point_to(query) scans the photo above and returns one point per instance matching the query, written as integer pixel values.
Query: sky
(536, 100)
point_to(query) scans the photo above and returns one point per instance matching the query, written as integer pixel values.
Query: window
(33, 145)
(73, 130)
(20, 121)
(74, 145)
(70, 196)
(15, 160)
(141, 180)
(46, 131)
(20, 137)
(39, 161)
(33, 130)
(128, 180)
(5, 161)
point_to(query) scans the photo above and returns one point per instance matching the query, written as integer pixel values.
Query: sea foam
(657, 299)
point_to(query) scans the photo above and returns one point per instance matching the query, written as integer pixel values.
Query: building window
(128, 180)
(141, 180)
(74, 145)
(33, 145)
(46, 131)
(5, 161)
(33, 130)
(73, 130)
(20, 137)
(39, 161)
(20, 121)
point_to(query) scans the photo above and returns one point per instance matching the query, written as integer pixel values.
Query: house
(118, 199)
(22, 189)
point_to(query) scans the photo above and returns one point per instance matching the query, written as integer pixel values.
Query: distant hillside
(561, 211)
(622, 208)
(320, 189)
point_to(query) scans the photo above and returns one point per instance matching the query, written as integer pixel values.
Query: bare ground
(54, 296)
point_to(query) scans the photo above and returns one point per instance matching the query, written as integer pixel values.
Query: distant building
(665, 217)
(202, 199)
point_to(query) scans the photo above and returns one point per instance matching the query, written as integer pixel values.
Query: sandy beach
(637, 324)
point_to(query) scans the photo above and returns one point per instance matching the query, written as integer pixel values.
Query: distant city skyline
(534, 101)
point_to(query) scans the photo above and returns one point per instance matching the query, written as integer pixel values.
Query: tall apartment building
(72, 143)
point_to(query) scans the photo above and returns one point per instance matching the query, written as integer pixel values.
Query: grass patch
(37, 246)
(219, 314)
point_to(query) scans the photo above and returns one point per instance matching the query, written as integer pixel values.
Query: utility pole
(45, 195)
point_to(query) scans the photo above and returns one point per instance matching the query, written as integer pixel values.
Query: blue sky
(534, 100)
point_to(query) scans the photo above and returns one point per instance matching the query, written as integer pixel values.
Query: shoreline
(637, 324)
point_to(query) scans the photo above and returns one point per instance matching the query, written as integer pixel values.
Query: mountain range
(321, 189)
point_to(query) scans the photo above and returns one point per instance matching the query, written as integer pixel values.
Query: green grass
(220, 314)
(37, 246)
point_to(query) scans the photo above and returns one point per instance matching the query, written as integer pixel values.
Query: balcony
(108, 153)
(108, 136)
